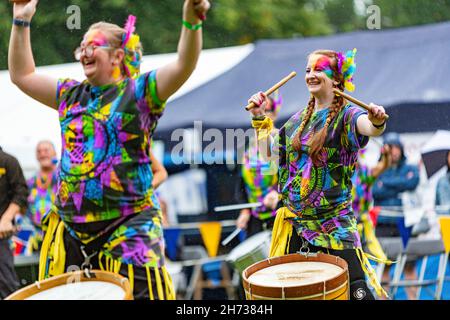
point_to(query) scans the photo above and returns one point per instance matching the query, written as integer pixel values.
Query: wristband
(191, 26)
(261, 117)
(21, 23)
(380, 125)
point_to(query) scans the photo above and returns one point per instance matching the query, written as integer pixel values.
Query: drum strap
(87, 265)
(164, 290)
(370, 272)
(53, 254)
(373, 245)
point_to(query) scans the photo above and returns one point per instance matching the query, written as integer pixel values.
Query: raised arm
(383, 164)
(21, 62)
(172, 76)
(264, 140)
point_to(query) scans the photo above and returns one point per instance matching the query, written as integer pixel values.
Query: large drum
(254, 249)
(101, 285)
(298, 277)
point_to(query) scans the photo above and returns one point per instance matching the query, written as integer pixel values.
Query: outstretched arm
(373, 124)
(172, 76)
(21, 62)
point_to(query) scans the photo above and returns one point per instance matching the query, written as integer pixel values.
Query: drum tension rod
(86, 266)
(304, 250)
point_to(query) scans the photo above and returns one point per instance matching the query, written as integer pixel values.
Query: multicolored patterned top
(321, 195)
(105, 171)
(259, 177)
(42, 194)
(362, 182)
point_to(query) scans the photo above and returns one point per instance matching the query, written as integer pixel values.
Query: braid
(318, 140)
(297, 142)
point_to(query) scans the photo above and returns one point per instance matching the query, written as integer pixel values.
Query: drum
(254, 249)
(317, 276)
(101, 285)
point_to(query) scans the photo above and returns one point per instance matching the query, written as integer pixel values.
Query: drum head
(86, 290)
(101, 285)
(295, 274)
(297, 277)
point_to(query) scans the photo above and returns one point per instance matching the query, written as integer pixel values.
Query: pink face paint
(95, 37)
(322, 64)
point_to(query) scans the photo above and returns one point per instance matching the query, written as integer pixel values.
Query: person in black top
(13, 200)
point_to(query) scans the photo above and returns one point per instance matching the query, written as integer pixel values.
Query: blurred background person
(42, 190)
(363, 181)
(388, 189)
(13, 200)
(443, 191)
(159, 176)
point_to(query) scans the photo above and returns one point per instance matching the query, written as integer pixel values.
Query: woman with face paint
(316, 151)
(106, 213)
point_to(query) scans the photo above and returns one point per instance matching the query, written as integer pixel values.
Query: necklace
(43, 181)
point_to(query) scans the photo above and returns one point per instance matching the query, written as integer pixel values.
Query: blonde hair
(317, 140)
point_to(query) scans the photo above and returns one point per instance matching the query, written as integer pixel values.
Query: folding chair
(197, 283)
(393, 248)
(418, 248)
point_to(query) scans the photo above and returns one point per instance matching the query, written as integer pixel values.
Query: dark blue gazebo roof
(407, 70)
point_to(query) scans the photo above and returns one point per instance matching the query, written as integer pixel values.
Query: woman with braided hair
(316, 151)
(106, 215)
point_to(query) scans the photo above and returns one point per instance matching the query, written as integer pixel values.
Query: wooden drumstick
(231, 236)
(355, 101)
(252, 105)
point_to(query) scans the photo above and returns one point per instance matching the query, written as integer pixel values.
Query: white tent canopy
(24, 121)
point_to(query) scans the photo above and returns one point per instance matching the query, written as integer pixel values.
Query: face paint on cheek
(323, 64)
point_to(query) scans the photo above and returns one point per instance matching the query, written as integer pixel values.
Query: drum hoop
(310, 297)
(248, 254)
(97, 275)
(334, 282)
(265, 243)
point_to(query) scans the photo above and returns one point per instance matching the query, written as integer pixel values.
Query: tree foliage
(230, 22)
(401, 13)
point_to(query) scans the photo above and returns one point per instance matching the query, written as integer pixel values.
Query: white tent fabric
(24, 121)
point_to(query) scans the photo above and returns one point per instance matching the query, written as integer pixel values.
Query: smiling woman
(316, 152)
(106, 208)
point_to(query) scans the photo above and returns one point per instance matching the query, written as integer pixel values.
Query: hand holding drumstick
(376, 115)
(256, 101)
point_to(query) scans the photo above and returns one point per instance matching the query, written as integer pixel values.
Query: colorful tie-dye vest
(105, 171)
(321, 195)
